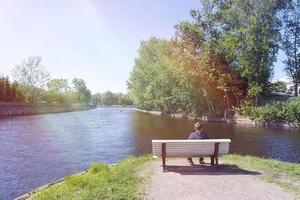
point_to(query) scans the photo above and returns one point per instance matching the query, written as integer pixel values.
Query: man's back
(198, 135)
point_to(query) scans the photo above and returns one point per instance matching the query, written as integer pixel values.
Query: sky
(93, 40)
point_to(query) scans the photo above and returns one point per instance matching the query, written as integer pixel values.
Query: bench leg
(212, 160)
(216, 154)
(217, 160)
(163, 155)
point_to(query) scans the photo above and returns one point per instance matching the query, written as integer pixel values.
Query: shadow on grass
(224, 169)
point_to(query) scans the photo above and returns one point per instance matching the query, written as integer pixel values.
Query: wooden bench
(212, 148)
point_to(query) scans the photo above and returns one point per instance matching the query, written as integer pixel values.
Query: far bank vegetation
(221, 58)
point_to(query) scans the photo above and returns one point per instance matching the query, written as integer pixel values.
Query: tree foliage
(109, 98)
(10, 92)
(32, 76)
(291, 42)
(279, 87)
(221, 57)
(82, 92)
(167, 76)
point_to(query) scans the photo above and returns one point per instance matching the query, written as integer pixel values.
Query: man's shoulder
(193, 134)
(198, 135)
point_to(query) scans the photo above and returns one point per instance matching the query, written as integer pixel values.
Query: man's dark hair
(198, 126)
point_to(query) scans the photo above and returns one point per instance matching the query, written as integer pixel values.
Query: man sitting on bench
(198, 135)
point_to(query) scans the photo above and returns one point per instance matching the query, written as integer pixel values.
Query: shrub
(288, 111)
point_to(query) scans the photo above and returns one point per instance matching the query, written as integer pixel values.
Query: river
(40, 148)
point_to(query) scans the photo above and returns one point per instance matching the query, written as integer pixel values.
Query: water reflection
(37, 149)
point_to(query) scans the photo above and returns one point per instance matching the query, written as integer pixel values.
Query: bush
(278, 111)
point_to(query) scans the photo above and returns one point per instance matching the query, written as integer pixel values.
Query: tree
(13, 94)
(279, 87)
(58, 85)
(170, 77)
(200, 41)
(250, 38)
(2, 88)
(58, 90)
(7, 90)
(32, 76)
(19, 96)
(96, 99)
(82, 92)
(123, 99)
(291, 42)
(108, 98)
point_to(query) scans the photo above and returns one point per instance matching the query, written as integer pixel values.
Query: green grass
(125, 180)
(285, 174)
(100, 182)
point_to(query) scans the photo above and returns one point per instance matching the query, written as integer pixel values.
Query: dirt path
(184, 182)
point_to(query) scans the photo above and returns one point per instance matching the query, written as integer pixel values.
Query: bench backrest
(186, 148)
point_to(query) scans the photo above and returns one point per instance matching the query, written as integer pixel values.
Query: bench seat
(190, 148)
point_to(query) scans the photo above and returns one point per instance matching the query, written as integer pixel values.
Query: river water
(37, 149)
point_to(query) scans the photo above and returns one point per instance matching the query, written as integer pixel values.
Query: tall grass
(100, 182)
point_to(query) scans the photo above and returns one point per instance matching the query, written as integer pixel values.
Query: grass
(125, 180)
(285, 174)
(100, 182)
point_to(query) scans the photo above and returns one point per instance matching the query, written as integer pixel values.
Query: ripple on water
(40, 148)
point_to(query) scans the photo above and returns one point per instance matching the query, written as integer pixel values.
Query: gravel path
(184, 182)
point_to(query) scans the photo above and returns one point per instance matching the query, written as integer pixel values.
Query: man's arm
(204, 135)
(191, 137)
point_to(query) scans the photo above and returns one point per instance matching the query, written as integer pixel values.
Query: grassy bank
(285, 174)
(125, 180)
(120, 181)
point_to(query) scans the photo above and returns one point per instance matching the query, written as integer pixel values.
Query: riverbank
(20, 109)
(237, 121)
(142, 178)
(101, 181)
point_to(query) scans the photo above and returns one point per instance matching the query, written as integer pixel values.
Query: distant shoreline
(24, 109)
(237, 121)
(115, 106)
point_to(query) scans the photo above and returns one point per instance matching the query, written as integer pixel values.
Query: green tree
(7, 90)
(13, 94)
(18, 96)
(32, 76)
(58, 90)
(2, 88)
(58, 85)
(82, 92)
(279, 86)
(291, 42)
(163, 78)
(108, 98)
(250, 38)
(96, 99)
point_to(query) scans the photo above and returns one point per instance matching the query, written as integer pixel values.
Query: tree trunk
(296, 89)
(227, 100)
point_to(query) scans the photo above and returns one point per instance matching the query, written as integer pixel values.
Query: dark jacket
(198, 135)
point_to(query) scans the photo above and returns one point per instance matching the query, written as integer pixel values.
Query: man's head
(198, 126)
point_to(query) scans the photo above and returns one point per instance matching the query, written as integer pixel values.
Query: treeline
(109, 98)
(10, 92)
(32, 84)
(222, 58)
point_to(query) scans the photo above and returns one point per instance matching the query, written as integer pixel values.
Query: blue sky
(93, 40)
